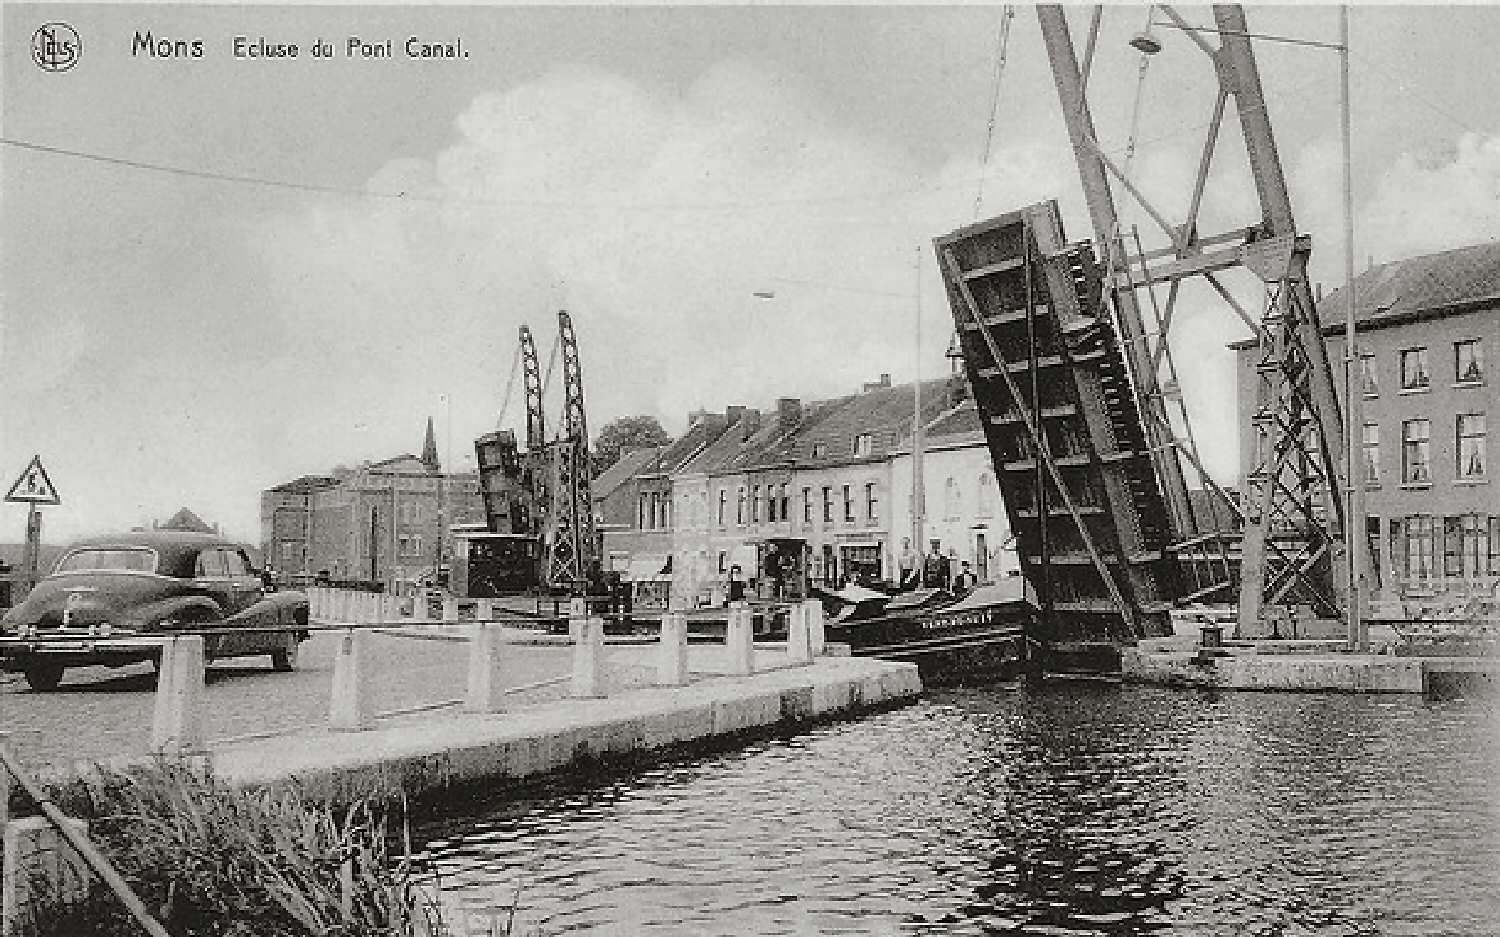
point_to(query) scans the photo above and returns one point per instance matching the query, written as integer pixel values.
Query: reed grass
(210, 860)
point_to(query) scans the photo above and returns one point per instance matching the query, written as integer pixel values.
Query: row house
(1426, 329)
(963, 517)
(808, 484)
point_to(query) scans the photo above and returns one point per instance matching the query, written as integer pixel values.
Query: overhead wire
(1001, 52)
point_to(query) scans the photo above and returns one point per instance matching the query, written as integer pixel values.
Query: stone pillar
(672, 651)
(486, 684)
(739, 641)
(177, 720)
(798, 641)
(36, 856)
(815, 637)
(588, 658)
(351, 709)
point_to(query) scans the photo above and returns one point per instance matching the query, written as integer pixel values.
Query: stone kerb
(588, 658)
(176, 721)
(816, 640)
(798, 640)
(351, 708)
(36, 856)
(486, 684)
(739, 641)
(672, 651)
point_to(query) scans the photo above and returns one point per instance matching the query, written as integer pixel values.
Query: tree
(627, 432)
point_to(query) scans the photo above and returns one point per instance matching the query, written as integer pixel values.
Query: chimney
(751, 423)
(788, 413)
(885, 379)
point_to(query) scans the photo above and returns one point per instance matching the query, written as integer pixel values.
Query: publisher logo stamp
(55, 47)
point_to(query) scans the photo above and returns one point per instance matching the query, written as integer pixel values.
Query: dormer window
(864, 444)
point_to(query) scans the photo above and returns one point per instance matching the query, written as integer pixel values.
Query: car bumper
(22, 653)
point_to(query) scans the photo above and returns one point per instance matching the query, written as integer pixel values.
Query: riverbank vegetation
(209, 860)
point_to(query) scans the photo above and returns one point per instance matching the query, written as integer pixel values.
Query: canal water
(1085, 808)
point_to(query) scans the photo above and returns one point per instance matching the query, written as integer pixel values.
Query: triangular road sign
(34, 486)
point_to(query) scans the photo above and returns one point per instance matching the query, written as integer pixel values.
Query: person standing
(965, 581)
(909, 565)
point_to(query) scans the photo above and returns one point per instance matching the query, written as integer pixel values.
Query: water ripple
(1067, 810)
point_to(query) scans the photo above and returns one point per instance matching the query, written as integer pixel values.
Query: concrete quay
(423, 755)
(1313, 667)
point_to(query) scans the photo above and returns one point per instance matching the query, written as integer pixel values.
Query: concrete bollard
(485, 684)
(37, 857)
(798, 640)
(176, 721)
(672, 651)
(450, 608)
(739, 641)
(418, 605)
(351, 708)
(486, 610)
(588, 659)
(816, 640)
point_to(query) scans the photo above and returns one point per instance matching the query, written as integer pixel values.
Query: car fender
(277, 608)
(154, 613)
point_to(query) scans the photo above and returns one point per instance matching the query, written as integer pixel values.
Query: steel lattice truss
(571, 550)
(1292, 512)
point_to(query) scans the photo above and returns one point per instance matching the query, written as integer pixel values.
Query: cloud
(653, 215)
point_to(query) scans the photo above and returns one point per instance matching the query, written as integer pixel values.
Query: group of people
(933, 570)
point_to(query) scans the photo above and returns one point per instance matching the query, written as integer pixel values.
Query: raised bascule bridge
(1066, 345)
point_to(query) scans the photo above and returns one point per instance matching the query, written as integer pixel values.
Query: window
(864, 444)
(827, 505)
(986, 490)
(872, 502)
(1476, 543)
(1415, 437)
(755, 505)
(1421, 546)
(1372, 453)
(124, 558)
(782, 497)
(819, 450)
(739, 508)
(1372, 540)
(210, 565)
(1367, 380)
(1414, 369)
(848, 504)
(409, 545)
(1494, 545)
(236, 563)
(1453, 546)
(723, 561)
(1470, 433)
(951, 499)
(723, 506)
(1468, 362)
(290, 556)
(640, 512)
(807, 505)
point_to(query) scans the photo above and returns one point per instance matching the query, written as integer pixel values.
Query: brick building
(1424, 326)
(389, 522)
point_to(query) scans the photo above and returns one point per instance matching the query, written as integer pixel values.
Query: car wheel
(284, 658)
(43, 677)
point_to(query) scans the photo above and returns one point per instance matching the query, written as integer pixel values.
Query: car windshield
(126, 559)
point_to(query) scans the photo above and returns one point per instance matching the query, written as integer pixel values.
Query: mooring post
(739, 640)
(816, 641)
(485, 686)
(588, 658)
(176, 721)
(350, 709)
(672, 651)
(798, 639)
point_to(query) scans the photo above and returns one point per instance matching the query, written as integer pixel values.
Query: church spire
(429, 449)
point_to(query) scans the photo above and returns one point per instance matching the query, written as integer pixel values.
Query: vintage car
(110, 599)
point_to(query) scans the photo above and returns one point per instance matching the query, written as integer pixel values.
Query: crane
(538, 502)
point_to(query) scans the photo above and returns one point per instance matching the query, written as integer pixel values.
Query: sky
(282, 265)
